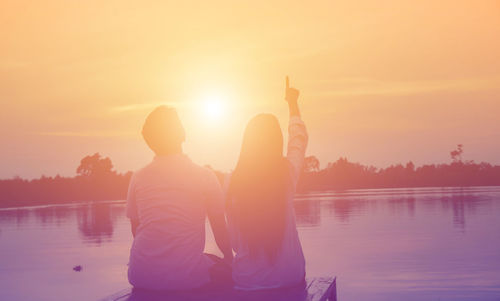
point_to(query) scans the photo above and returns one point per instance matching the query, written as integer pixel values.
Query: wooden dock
(316, 289)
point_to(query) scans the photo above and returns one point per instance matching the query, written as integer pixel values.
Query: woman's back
(287, 267)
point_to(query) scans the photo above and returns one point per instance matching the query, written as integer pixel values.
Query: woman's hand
(291, 96)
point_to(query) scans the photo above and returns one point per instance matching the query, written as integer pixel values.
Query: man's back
(170, 198)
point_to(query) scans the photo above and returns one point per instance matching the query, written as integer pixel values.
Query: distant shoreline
(97, 181)
(299, 195)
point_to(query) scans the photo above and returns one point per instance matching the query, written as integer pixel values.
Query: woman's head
(262, 139)
(259, 185)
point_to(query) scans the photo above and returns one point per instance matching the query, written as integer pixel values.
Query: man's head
(163, 131)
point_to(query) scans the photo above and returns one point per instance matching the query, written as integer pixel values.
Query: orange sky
(381, 81)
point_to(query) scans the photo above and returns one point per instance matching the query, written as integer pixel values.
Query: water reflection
(94, 222)
(53, 215)
(345, 204)
(16, 217)
(386, 244)
(461, 204)
(307, 212)
(342, 208)
(400, 206)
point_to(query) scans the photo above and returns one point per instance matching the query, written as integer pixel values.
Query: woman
(260, 193)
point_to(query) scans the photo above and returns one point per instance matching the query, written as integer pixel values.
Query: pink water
(384, 244)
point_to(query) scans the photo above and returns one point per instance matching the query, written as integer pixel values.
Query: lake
(382, 244)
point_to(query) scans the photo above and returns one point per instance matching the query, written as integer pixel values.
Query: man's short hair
(163, 130)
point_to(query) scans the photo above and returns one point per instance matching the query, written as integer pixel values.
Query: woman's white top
(289, 267)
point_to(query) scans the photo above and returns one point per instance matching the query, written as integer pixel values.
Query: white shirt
(289, 268)
(171, 197)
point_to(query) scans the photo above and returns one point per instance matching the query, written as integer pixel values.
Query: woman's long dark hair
(258, 187)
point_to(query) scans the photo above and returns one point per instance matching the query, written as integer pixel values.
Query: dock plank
(316, 289)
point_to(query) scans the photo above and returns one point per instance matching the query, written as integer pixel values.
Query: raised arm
(297, 134)
(292, 97)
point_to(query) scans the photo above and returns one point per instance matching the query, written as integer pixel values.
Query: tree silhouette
(97, 181)
(410, 167)
(456, 155)
(311, 163)
(94, 165)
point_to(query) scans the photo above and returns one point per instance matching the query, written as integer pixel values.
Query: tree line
(96, 180)
(343, 174)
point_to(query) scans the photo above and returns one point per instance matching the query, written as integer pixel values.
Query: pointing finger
(287, 82)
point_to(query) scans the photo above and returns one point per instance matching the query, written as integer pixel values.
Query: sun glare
(214, 107)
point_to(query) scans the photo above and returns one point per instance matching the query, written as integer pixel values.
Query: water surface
(382, 244)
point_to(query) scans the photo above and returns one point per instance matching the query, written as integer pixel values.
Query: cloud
(89, 133)
(144, 106)
(366, 86)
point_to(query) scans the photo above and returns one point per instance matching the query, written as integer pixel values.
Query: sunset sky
(381, 82)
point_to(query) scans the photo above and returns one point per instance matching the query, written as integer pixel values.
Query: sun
(214, 107)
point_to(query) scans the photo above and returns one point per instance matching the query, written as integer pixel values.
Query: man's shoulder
(141, 172)
(207, 174)
(203, 171)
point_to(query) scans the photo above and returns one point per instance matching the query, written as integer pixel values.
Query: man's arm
(216, 217)
(219, 228)
(134, 223)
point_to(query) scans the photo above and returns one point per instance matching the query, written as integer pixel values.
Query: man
(167, 203)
